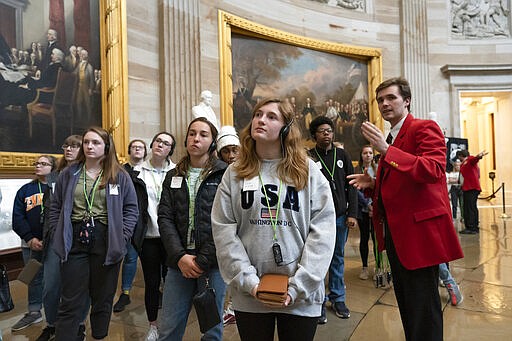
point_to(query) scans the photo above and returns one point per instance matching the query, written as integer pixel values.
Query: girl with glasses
(52, 277)
(148, 179)
(27, 221)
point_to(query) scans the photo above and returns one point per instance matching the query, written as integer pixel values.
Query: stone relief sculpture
(480, 19)
(357, 5)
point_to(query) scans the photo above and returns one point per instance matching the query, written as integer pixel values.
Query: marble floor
(484, 274)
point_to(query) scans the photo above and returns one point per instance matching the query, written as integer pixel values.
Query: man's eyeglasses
(165, 143)
(137, 147)
(42, 164)
(323, 131)
(72, 146)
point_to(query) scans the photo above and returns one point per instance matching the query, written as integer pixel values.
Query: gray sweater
(243, 235)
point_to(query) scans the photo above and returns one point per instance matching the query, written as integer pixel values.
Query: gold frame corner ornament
(229, 23)
(114, 97)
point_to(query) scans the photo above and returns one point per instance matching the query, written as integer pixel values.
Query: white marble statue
(204, 108)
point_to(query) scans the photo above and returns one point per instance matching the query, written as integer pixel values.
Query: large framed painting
(63, 68)
(317, 77)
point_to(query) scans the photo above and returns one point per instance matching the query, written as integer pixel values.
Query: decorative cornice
(453, 69)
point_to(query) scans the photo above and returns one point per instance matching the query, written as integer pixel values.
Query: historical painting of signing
(315, 83)
(50, 74)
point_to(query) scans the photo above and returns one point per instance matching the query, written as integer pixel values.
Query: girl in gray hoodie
(273, 213)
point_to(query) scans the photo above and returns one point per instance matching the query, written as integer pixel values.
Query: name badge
(250, 184)
(176, 181)
(113, 189)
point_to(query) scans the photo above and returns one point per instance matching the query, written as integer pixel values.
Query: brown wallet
(30, 271)
(273, 288)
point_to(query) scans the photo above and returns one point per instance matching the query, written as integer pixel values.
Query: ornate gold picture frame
(114, 89)
(258, 61)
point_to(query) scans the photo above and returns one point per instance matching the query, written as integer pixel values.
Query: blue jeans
(129, 267)
(35, 288)
(52, 288)
(337, 267)
(445, 275)
(177, 303)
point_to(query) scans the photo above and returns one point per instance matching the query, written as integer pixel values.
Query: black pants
(470, 209)
(84, 274)
(417, 296)
(455, 196)
(260, 326)
(152, 258)
(365, 231)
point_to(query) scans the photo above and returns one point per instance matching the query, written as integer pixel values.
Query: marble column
(180, 63)
(414, 45)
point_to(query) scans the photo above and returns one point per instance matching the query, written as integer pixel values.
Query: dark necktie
(389, 139)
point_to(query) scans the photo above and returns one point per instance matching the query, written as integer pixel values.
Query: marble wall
(381, 27)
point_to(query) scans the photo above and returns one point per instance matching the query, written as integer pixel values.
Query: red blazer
(415, 198)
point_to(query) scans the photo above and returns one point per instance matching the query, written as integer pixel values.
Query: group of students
(201, 223)
(93, 209)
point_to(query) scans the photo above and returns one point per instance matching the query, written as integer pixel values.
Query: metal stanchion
(492, 176)
(503, 215)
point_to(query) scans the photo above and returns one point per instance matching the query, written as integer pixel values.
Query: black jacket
(173, 218)
(142, 200)
(344, 195)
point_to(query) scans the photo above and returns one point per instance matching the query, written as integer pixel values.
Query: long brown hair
(70, 140)
(293, 167)
(361, 163)
(110, 164)
(184, 164)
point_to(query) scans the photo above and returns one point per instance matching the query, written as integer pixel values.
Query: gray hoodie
(305, 230)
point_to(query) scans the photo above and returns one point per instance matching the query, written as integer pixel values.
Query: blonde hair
(293, 167)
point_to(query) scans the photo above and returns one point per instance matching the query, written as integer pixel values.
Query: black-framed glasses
(323, 131)
(42, 164)
(165, 143)
(72, 146)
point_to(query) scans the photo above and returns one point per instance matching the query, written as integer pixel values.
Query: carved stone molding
(474, 78)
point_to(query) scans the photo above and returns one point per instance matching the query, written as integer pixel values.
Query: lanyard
(90, 198)
(40, 192)
(331, 173)
(273, 220)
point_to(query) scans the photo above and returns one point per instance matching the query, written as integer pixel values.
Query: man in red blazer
(411, 214)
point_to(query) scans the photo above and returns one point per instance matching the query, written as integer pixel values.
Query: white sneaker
(364, 275)
(152, 334)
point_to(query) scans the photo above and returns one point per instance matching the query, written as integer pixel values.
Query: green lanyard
(40, 192)
(90, 198)
(273, 220)
(331, 173)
